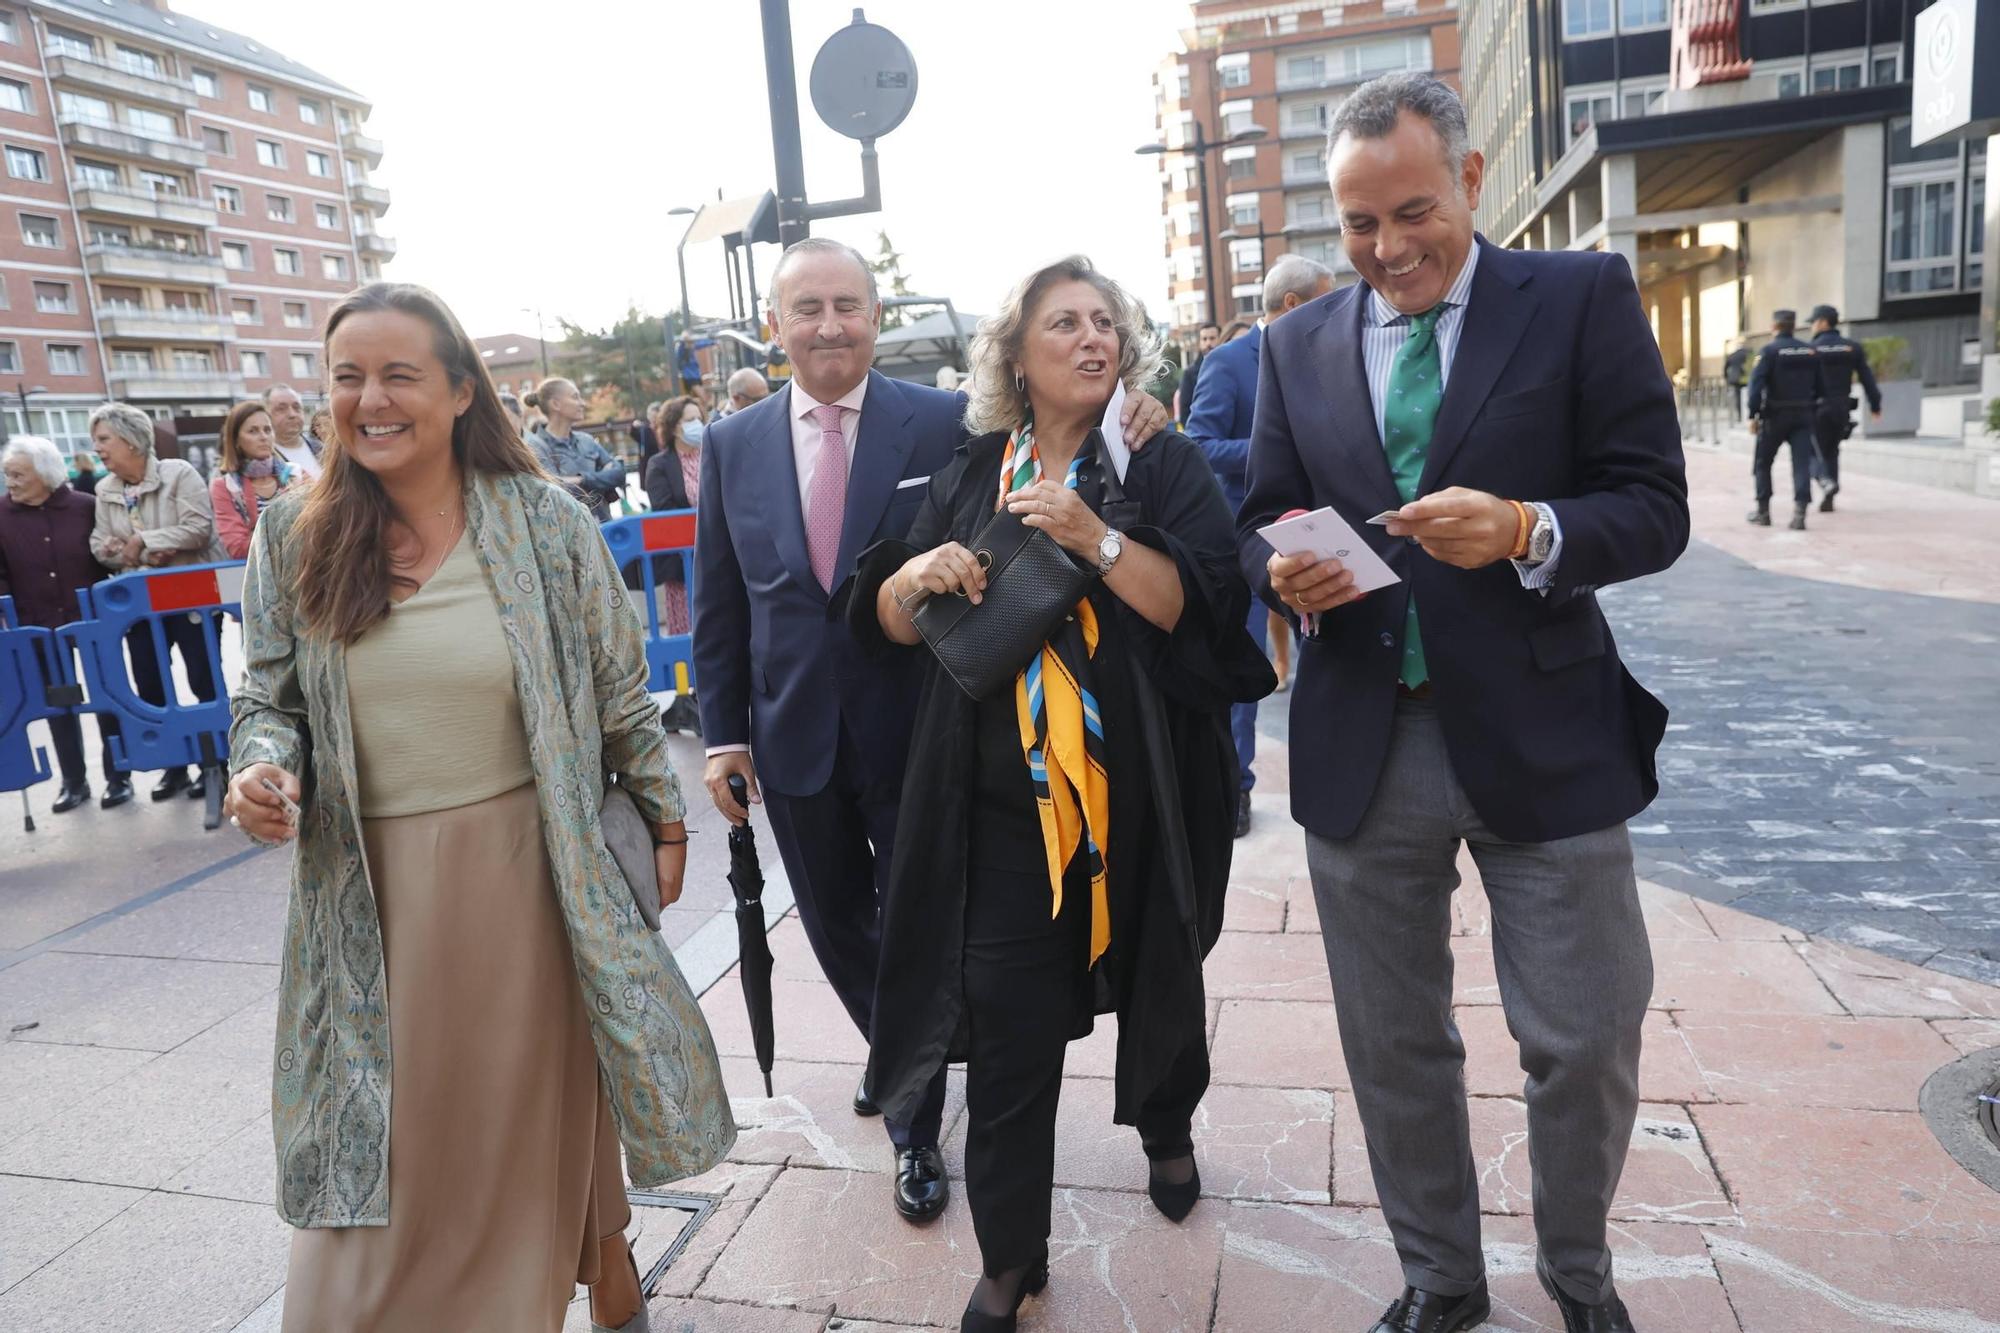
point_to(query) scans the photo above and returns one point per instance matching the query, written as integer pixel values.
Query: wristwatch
(1543, 539)
(1109, 548)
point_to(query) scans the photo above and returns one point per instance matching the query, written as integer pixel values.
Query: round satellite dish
(864, 80)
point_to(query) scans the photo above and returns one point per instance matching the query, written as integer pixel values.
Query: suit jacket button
(1388, 639)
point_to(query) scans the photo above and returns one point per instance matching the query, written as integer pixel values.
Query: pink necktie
(828, 501)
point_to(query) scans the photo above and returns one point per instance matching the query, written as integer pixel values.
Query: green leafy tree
(887, 267)
(627, 364)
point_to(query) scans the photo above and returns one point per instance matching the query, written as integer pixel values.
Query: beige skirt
(504, 1170)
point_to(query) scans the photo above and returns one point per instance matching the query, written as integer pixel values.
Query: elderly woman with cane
(442, 677)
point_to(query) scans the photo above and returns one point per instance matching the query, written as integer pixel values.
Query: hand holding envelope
(1321, 562)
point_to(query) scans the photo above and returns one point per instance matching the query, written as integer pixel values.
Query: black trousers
(1780, 428)
(1829, 430)
(66, 734)
(151, 676)
(836, 845)
(1025, 988)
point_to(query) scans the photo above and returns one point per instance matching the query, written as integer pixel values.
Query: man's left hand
(1142, 419)
(1466, 528)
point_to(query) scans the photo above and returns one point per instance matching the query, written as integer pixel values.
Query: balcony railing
(116, 136)
(120, 74)
(130, 321)
(362, 146)
(376, 244)
(139, 201)
(372, 196)
(110, 259)
(134, 382)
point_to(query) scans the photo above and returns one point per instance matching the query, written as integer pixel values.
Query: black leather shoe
(921, 1187)
(1798, 523)
(116, 793)
(199, 787)
(1427, 1312)
(863, 1103)
(1607, 1316)
(1242, 813)
(978, 1321)
(1826, 501)
(71, 798)
(173, 784)
(1175, 1202)
(1761, 516)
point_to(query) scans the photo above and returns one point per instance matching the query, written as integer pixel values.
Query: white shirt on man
(300, 456)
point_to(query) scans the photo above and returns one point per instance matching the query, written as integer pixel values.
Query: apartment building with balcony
(1284, 69)
(181, 207)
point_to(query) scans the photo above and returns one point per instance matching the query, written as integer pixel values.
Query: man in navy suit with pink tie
(1511, 408)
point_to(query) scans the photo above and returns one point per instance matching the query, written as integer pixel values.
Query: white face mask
(692, 432)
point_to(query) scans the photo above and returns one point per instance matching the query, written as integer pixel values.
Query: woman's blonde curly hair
(995, 403)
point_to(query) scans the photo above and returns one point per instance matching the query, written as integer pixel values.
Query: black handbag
(1031, 584)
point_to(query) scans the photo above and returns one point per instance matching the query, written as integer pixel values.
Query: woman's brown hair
(671, 413)
(239, 416)
(342, 582)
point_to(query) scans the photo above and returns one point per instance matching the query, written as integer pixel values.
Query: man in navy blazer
(788, 702)
(1224, 406)
(1511, 408)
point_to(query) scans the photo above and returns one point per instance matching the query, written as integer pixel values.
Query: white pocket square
(908, 482)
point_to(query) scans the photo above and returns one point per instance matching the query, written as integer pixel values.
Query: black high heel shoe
(1033, 1283)
(1175, 1202)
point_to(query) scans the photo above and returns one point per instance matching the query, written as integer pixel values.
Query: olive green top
(437, 717)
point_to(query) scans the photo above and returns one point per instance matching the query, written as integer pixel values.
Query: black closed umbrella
(753, 950)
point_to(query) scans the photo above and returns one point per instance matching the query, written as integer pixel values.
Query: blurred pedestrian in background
(455, 1076)
(1785, 396)
(45, 556)
(747, 386)
(573, 457)
(1063, 843)
(249, 474)
(1219, 423)
(1841, 360)
(1207, 339)
(154, 512)
(673, 481)
(86, 474)
(510, 407)
(295, 444)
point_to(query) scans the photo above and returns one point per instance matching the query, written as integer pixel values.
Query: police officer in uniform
(1784, 395)
(1840, 360)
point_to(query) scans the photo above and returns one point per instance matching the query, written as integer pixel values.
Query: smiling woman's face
(393, 402)
(1069, 352)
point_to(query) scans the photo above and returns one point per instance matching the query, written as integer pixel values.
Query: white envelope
(1114, 434)
(1324, 534)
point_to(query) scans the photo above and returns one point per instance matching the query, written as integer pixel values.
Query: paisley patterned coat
(579, 662)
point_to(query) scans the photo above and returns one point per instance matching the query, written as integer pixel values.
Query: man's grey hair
(128, 423)
(748, 380)
(1293, 273)
(1373, 109)
(43, 455)
(276, 389)
(821, 245)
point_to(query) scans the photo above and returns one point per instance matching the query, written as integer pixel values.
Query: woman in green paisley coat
(442, 672)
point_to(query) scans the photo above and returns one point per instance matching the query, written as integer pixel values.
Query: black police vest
(1794, 382)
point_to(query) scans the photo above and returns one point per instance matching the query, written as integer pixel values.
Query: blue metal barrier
(642, 545)
(178, 732)
(27, 653)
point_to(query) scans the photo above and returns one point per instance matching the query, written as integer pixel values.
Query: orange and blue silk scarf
(1062, 731)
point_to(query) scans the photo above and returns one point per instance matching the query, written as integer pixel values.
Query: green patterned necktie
(1416, 388)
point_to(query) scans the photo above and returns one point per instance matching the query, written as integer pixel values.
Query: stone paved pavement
(1780, 1178)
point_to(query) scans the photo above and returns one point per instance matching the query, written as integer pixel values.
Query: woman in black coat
(1062, 852)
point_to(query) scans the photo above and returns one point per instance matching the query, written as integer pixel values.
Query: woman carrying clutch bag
(441, 671)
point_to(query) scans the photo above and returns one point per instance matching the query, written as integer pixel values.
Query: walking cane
(27, 812)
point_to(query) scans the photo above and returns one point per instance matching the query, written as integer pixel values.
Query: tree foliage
(887, 266)
(627, 365)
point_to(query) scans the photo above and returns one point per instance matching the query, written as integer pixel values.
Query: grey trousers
(1575, 973)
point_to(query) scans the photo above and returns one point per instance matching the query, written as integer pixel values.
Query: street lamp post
(1232, 234)
(1199, 147)
(541, 340)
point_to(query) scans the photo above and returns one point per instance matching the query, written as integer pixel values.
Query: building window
(139, 62)
(207, 84)
(120, 298)
(309, 112)
(1886, 68)
(1307, 209)
(1836, 75)
(82, 106)
(158, 183)
(270, 153)
(10, 353)
(302, 365)
(14, 96)
(297, 316)
(10, 32)
(68, 42)
(261, 99)
(1242, 168)
(1249, 307)
(288, 262)
(319, 164)
(278, 208)
(1303, 167)
(1923, 238)
(327, 215)
(243, 310)
(28, 164)
(372, 270)
(1233, 71)
(1246, 256)
(131, 360)
(1243, 215)
(148, 121)
(1634, 15)
(216, 141)
(65, 359)
(254, 365)
(235, 254)
(1586, 18)
(109, 233)
(194, 360)
(40, 231)
(333, 268)
(1305, 69)
(1636, 102)
(228, 199)
(1586, 111)
(95, 175)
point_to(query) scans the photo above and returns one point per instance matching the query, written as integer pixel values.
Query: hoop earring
(1020, 382)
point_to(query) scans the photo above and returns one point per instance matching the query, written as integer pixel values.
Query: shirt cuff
(1536, 576)
(715, 750)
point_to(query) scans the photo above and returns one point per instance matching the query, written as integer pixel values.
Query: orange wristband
(1521, 536)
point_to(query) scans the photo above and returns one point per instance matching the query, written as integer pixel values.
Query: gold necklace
(451, 539)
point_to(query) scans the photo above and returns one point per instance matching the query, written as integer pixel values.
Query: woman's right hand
(255, 810)
(949, 568)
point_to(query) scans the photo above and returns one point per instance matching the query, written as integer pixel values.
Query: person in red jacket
(249, 475)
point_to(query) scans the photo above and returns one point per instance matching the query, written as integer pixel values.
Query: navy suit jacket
(1225, 403)
(771, 669)
(1557, 393)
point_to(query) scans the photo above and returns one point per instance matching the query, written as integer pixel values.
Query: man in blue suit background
(793, 488)
(1225, 403)
(1512, 410)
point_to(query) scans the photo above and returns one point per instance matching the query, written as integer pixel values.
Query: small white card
(1324, 534)
(1114, 433)
(1382, 519)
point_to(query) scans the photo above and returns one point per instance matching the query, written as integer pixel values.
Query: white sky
(498, 124)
